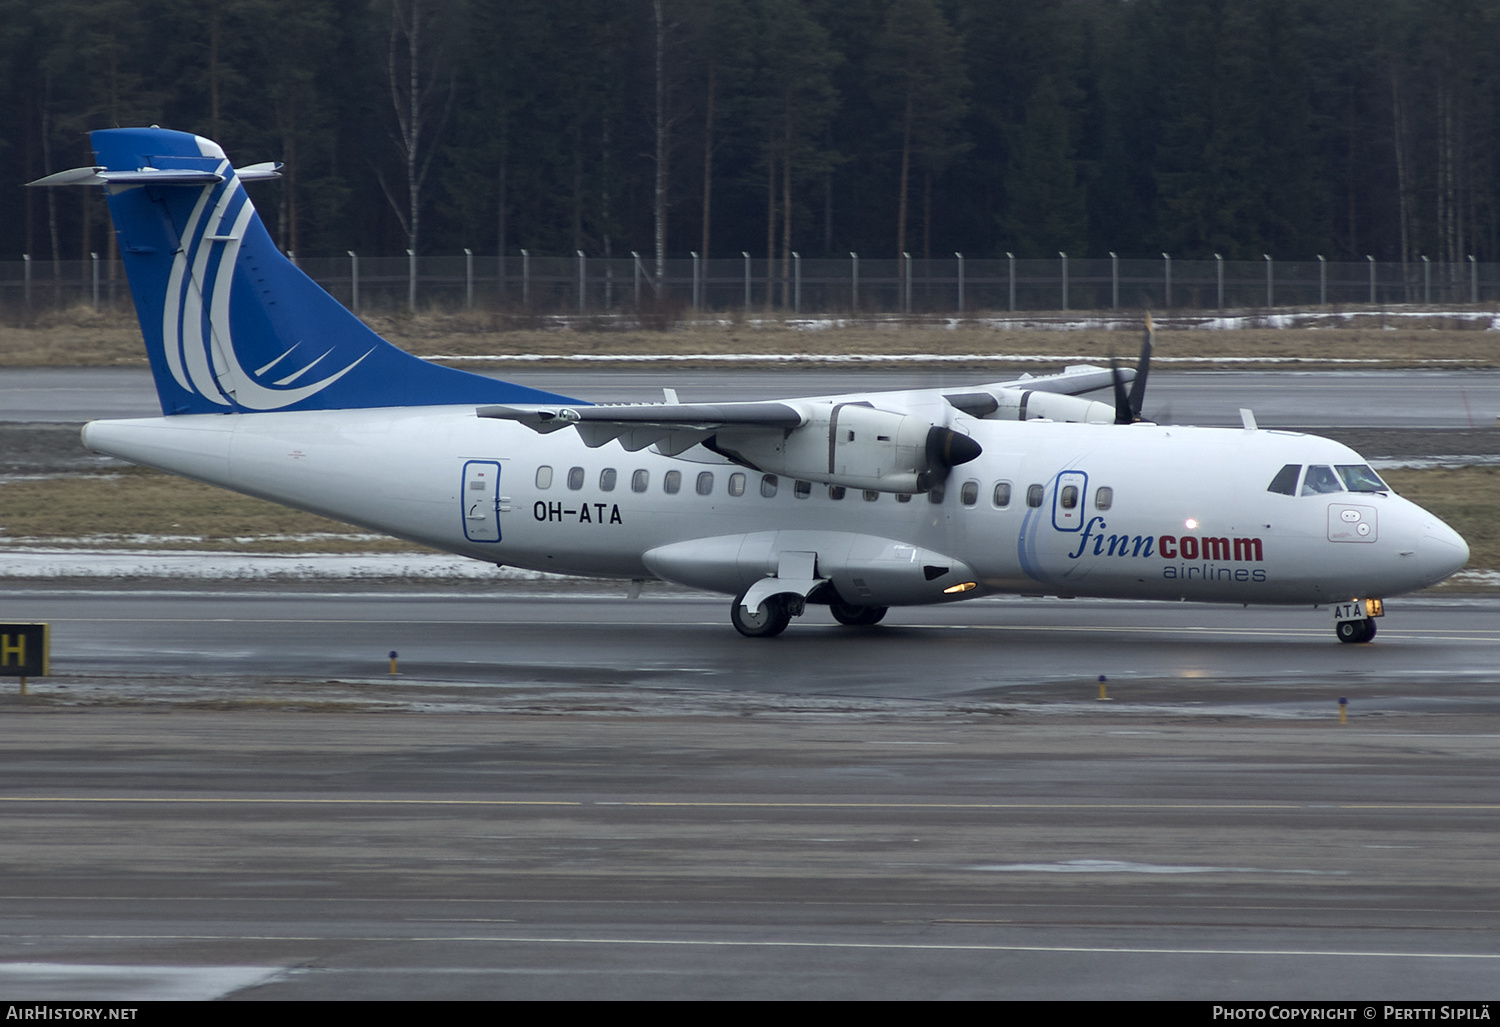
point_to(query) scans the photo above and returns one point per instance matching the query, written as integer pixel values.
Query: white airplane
(268, 386)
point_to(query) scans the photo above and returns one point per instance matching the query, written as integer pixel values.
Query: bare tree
(421, 81)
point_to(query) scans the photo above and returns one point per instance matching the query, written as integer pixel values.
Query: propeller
(945, 450)
(1128, 405)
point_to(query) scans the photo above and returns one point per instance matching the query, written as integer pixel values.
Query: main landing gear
(767, 620)
(856, 616)
(775, 612)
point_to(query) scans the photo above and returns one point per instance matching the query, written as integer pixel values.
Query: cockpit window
(1361, 478)
(1285, 481)
(1320, 479)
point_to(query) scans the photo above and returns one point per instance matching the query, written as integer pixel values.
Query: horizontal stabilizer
(230, 324)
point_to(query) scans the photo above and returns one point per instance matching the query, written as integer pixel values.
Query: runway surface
(1415, 399)
(1001, 649)
(567, 794)
(561, 796)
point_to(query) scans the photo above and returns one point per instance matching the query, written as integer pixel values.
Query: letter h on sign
(23, 650)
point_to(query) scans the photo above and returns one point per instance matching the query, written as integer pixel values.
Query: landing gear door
(480, 500)
(1067, 500)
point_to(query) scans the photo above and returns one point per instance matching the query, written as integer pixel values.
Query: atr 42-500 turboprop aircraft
(270, 387)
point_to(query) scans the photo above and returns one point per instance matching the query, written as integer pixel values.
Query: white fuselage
(1189, 514)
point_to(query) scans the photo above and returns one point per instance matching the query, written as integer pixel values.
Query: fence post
(1426, 281)
(1012, 258)
(797, 280)
(26, 257)
(697, 287)
(411, 281)
(960, 257)
(854, 281)
(1473, 280)
(1270, 289)
(1114, 281)
(525, 279)
(746, 255)
(353, 281)
(1064, 257)
(94, 259)
(1219, 269)
(635, 272)
(468, 278)
(1372, 278)
(583, 281)
(1167, 259)
(906, 276)
(1322, 281)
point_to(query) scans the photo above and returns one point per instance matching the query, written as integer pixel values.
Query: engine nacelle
(1026, 405)
(854, 445)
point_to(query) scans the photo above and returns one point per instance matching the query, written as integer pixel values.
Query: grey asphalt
(566, 794)
(1412, 399)
(1010, 650)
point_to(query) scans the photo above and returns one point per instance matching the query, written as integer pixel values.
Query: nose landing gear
(1354, 621)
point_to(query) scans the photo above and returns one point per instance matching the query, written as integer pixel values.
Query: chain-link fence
(582, 285)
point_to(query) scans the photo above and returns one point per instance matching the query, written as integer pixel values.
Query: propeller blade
(1142, 369)
(1123, 413)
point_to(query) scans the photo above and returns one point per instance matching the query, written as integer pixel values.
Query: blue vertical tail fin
(230, 324)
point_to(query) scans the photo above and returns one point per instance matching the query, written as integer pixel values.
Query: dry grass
(80, 337)
(1466, 497)
(149, 510)
(77, 337)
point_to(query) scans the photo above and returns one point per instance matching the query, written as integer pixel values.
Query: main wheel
(767, 621)
(856, 616)
(1355, 631)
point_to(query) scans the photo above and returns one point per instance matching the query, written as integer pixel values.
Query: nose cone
(1441, 551)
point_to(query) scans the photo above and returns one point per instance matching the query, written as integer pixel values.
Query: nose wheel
(1355, 631)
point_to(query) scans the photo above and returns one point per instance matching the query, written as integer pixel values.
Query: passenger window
(544, 477)
(1034, 495)
(871, 495)
(607, 480)
(1361, 478)
(969, 494)
(1285, 481)
(1002, 495)
(705, 483)
(640, 481)
(768, 484)
(935, 495)
(802, 489)
(836, 492)
(575, 478)
(1104, 498)
(1320, 480)
(671, 482)
(1068, 498)
(736, 484)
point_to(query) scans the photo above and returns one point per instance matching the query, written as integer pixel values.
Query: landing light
(1192, 524)
(962, 587)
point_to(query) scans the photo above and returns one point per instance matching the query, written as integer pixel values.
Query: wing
(672, 427)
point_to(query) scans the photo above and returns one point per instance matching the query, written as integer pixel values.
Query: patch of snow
(54, 562)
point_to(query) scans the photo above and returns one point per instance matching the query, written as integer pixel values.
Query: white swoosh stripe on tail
(171, 316)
